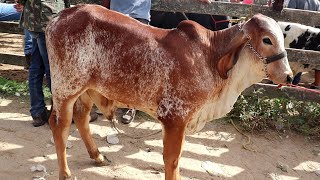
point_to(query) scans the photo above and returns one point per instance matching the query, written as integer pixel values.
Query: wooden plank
(261, 2)
(86, 1)
(11, 59)
(310, 18)
(10, 27)
(303, 56)
(286, 92)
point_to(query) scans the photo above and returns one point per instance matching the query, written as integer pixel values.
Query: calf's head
(259, 43)
(266, 44)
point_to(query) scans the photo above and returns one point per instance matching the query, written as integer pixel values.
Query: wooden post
(286, 92)
(303, 56)
(261, 2)
(73, 2)
(12, 59)
(277, 5)
(10, 27)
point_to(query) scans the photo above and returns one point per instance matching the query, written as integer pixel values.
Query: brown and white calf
(183, 77)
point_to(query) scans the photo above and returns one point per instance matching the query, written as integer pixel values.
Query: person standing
(36, 14)
(137, 9)
(312, 5)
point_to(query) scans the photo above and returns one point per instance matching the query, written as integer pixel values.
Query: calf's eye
(267, 41)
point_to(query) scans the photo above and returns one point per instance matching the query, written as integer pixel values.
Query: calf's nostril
(289, 79)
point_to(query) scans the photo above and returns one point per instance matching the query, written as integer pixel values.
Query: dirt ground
(218, 145)
(23, 146)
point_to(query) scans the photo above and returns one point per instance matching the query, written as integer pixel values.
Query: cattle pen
(227, 9)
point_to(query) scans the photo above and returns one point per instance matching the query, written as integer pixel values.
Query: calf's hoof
(65, 177)
(102, 160)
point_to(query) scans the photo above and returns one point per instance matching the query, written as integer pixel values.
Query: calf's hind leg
(81, 114)
(60, 121)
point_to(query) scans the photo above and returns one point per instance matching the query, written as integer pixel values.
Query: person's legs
(36, 72)
(44, 55)
(27, 42)
(8, 12)
(27, 48)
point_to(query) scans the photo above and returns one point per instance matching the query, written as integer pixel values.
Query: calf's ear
(231, 55)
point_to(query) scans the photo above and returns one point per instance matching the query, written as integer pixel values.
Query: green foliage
(261, 113)
(12, 87)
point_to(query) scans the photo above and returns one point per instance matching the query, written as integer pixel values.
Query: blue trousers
(39, 68)
(27, 42)
(9, 13)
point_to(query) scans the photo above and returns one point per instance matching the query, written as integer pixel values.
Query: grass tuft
(262, 113)
(11, 87)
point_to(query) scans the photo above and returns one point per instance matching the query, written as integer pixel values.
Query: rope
(251, 10)
(241, 19)
(299, 87)
(185, 16)
(244, 146)
(130, 136)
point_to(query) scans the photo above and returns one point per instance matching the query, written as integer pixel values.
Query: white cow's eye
(267, 41)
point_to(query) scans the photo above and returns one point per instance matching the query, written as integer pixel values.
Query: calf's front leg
(173, 139)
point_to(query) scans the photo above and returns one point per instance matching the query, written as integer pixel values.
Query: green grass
(11, 87)
(262, 113)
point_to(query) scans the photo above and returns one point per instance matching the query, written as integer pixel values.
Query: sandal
(128, 117)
